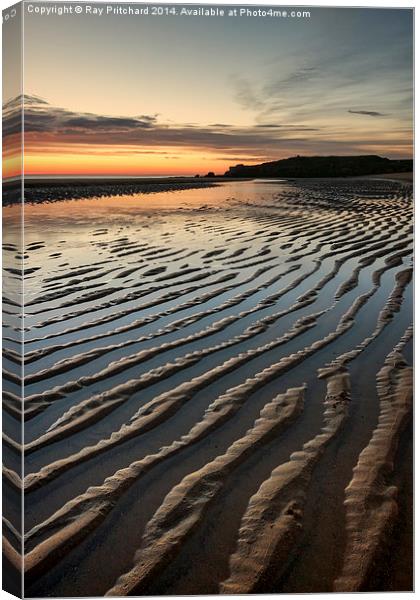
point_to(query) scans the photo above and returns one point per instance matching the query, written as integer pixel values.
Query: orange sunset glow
(105, 161)
(46, 157)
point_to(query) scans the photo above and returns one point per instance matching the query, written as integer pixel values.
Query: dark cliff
(323, 166)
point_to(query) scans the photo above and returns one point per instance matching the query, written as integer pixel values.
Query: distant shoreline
(53, 190)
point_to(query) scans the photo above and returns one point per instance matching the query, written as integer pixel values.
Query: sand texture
(218, 388)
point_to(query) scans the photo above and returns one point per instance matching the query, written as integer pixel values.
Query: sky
(165, 95)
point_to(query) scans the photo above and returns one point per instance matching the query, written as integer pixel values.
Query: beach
(218, 386)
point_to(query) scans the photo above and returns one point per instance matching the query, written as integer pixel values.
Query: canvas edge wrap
(13, 282)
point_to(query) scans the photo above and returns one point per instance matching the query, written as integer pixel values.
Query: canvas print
(207, 318)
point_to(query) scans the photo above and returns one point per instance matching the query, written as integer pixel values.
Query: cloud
(245, 95)
(44, 122)
(260, 98)
(290, 127)
(368, 113)
(23, 99)
(40, 116)
(290, 81)
(319, 88)
(54, 129)
(220, 125)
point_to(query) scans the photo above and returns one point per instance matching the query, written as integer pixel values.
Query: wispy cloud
(46, 122)
(295, 78)
(246, 95)
(319, 90)
(53, 129)
(367, 113)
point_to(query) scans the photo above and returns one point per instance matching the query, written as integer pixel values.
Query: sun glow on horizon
(109, 161)
(49, 156)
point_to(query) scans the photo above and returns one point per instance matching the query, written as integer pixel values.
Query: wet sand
(52, 190)
(210, 374)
